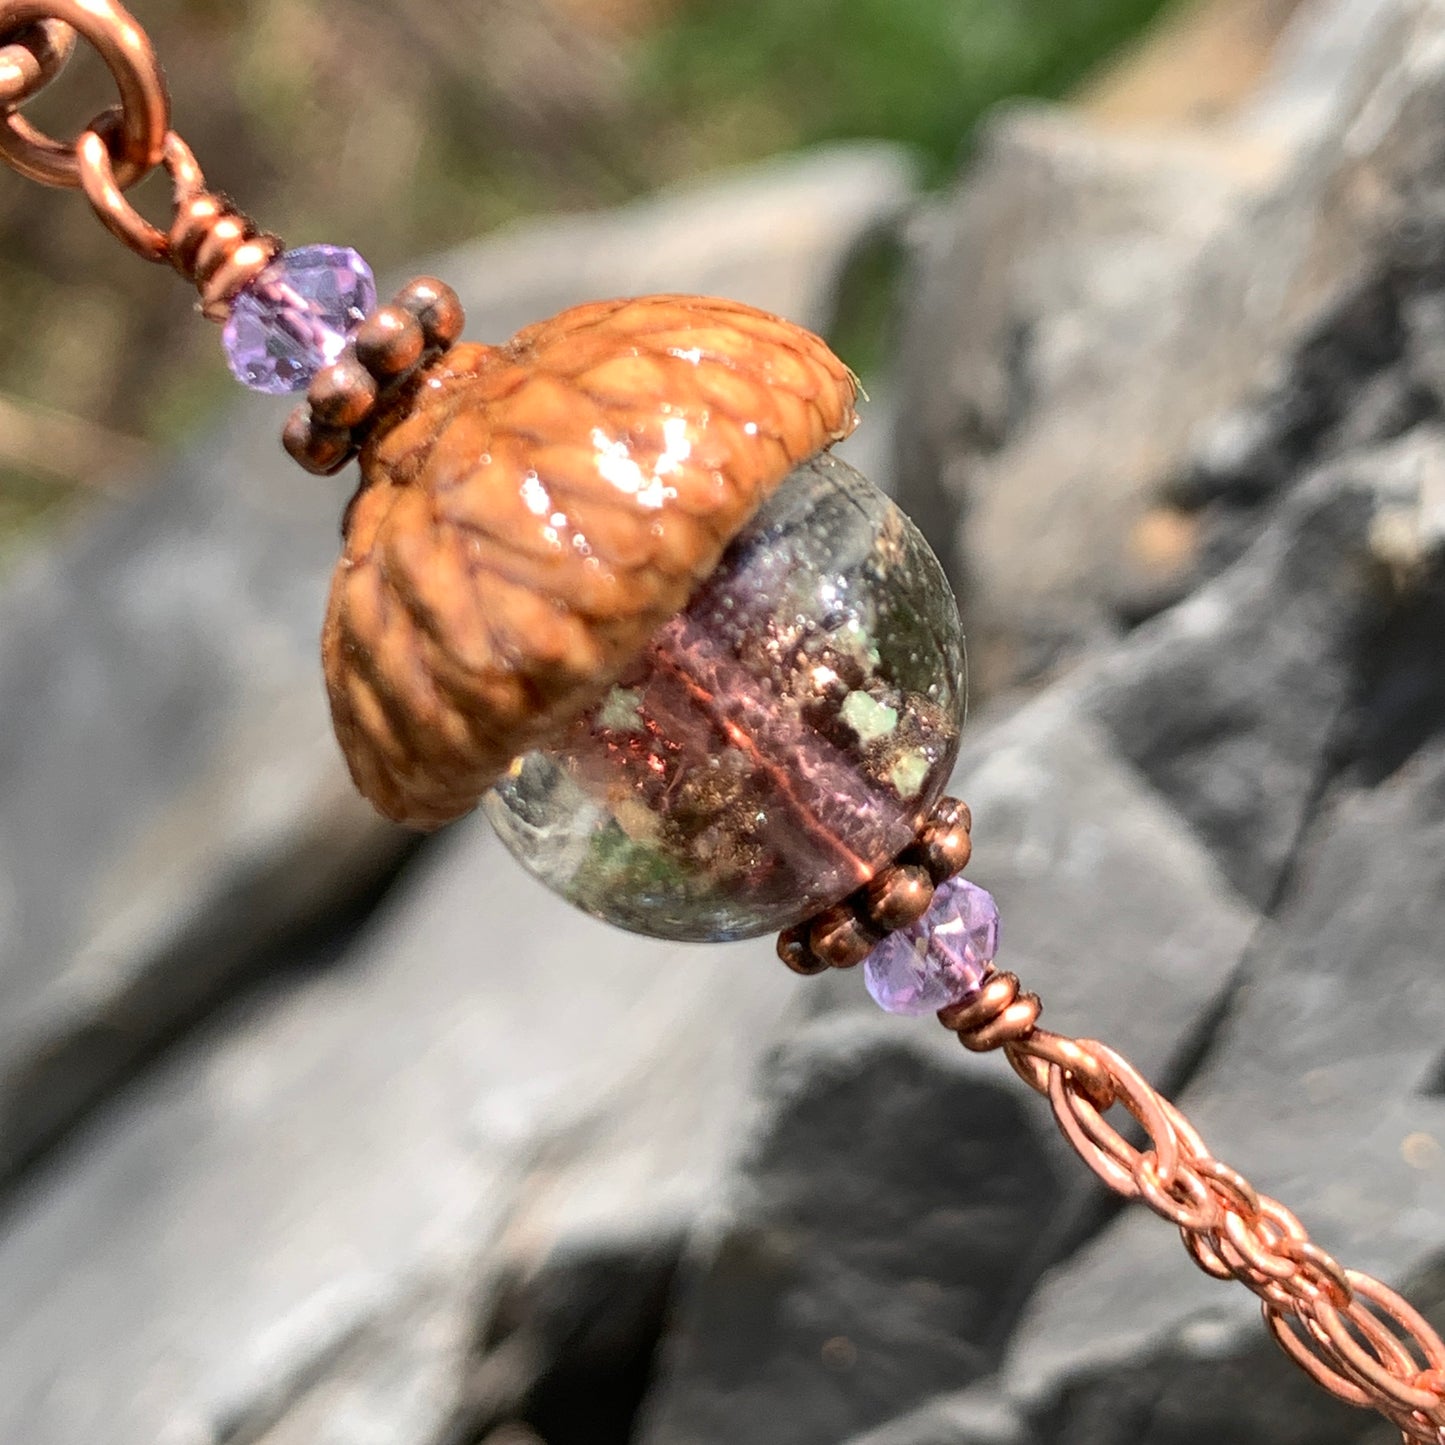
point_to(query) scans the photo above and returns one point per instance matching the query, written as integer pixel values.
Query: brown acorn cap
(530, 515)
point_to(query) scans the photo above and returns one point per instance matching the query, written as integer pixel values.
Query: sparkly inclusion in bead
(941, 959)
(294, 318)
(779, 741)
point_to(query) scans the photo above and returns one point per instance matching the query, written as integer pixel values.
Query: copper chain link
(1351, 1334)
(38, 36)
(208, 241)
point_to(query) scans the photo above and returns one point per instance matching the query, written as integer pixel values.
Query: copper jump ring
(101, 183)
(31, 58)
(145, 104)
(209, 242)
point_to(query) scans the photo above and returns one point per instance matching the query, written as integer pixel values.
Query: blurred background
(405, 129)
(310, 1132)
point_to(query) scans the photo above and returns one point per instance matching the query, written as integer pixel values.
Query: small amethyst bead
(940, 960)
(295, 317)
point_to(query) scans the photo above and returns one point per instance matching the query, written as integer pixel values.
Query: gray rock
(1091, 296)
(1122, 1341)
(296, 1222)
(851, 1269)
(1107, 814)
(577, 1338)
(1318, 791)
(1232, 703)
(1323, 1087)
(1191, 839)
(171, 804)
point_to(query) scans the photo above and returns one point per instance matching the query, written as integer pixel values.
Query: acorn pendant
(707, 677)
(607, 580)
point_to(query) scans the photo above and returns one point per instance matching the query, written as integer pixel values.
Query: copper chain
(46, 30)
(208, 241)
(1351, 1334)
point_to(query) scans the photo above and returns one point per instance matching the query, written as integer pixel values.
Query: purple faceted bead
(294, 318)
(942, 959)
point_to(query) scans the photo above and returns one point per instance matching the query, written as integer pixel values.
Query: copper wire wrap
(1352, 1335)
(1355, 1337)
(208, 241)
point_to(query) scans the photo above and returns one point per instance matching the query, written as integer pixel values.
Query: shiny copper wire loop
(103, 190)
(31, 59)
(1353, 1335)
(145, 106)
(209, 241)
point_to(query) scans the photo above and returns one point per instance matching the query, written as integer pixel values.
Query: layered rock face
(310, 1136)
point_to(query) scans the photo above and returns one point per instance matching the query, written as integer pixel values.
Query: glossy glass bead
(940, 960)
(294, 318)
(778, 742)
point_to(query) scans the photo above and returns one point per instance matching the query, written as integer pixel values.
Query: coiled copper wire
(208, 240)
(218, 249)
(1352, 1335)
(211, 243)
(1002, 1013)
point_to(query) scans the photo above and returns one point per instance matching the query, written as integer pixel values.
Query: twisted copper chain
(208, 241)
(1351, 1334)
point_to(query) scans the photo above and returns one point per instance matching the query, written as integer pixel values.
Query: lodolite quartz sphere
(777, 743)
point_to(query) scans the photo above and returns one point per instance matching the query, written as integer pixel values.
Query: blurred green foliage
(402, 129)
(920, 71)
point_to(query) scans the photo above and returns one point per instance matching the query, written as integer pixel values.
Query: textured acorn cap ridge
(530, 514)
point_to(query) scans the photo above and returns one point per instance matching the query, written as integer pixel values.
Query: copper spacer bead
(389, 342)
(793, 949)
(342, 394)
(944, 845)
(951, 813)
(319, 449)
(436, 306)
(898, 896)
(840, 938)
